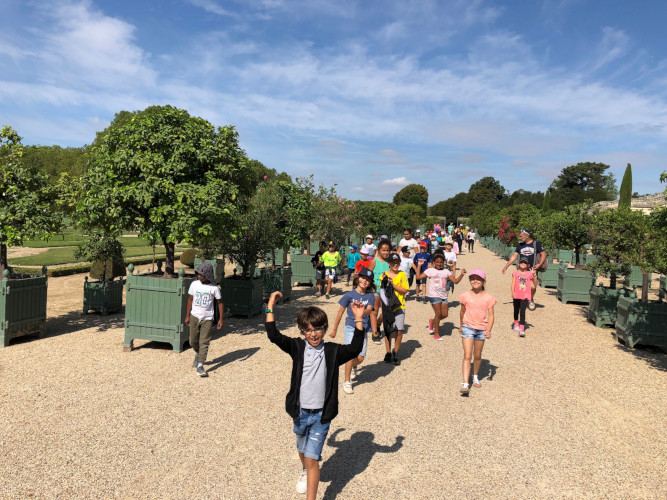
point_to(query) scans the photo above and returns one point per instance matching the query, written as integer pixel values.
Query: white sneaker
(302, 482)
(347, 387)
(353, 375)
(531, 305)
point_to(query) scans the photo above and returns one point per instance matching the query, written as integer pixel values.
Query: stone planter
(156, 308)
(22, 305)
(218, 267)
(641, 323)
(635, 278)
(105, 296)
(603, 304)
(243, 296)
(549, 278)
(302, 270)
(280, 280)
(574, 285)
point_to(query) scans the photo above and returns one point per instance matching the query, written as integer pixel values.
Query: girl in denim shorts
(476, 324)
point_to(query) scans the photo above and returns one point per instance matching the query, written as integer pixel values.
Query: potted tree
(643, 321)
(609, 233)
(173, 178)
(105, 293)
(254, 238)
(26, 210)
(569, 227)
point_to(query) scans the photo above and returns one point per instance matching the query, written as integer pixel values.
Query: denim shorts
(349, 333)
(421, 281)
(310, 433)
(471, 333)
(437, 300)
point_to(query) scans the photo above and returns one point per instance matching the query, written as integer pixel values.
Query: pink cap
(477, 272)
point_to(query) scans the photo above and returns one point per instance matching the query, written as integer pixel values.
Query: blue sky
(369, 95)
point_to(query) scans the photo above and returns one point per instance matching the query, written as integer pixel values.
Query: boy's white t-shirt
(370, 247)
(203, 299)
(405, 265)
(450, 257)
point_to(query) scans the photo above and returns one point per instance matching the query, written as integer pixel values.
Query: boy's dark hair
(369, 289)
(314, 316)
(384, 242)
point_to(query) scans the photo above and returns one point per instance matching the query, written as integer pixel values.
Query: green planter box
(565, 255)
(641, 323)
(155, 308)
(590, 258)
(302, 270)
(549, 278)
(574, 285)
(603, 304)
(244, 297)
(662, 291)
(22, 305)
(635, 278)
(105, 296)
(279, 280)
(218, 267)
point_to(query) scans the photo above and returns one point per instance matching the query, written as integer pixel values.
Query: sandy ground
(565, 412)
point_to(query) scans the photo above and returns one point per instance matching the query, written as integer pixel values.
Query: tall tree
(625, 199)
(412, 193)
(583, 181)
(546, 202)
(171, 176)
(488, 185)
(26, 202)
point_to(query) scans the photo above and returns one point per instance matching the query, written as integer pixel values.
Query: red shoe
(430, 326)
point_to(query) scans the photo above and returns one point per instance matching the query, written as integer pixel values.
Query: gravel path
(564, 413)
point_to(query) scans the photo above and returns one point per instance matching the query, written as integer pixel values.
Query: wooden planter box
(549, 278)
(302, 270)
(603, 304)
(155, 309)
(22, 305)
(635, 278)
(565, 256)
(218, 267)
(105, 296)
(641, 323)
(244, 297)
(574, 285)
(278, 280)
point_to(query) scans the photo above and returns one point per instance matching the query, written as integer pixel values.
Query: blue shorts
(310, 433)
(437, 300)
(349, 334)
(421, 281)
(471, 333)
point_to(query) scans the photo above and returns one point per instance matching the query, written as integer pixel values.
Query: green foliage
(485, 219)
(610, 232)
(625, 194)
(458, 205)
(377, 217)
(106, 253)
(486, 186)
(295, 217)
(415, 194)
(334, 218)
(188, 257)
(583, 181)
(567, 228)
(546, 202)
(521, 196)
(410, 215)
(26, 201)
(256, 235)
(55, 161)
(170, 176)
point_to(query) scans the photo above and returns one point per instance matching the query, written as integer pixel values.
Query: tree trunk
(612, 281)
(644, 286)
(577, 265)
(169, 257)
(285, 250)
(308, 246)
(3, 259)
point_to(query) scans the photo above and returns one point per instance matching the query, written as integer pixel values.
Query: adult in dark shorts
(534, 252)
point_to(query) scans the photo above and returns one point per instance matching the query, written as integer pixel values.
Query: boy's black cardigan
(334, 356)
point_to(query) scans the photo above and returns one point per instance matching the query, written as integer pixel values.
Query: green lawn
(58, 256)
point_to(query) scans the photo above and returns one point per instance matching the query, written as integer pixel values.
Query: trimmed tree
(26, 202)
(546, 202)
(171, 176)
(567, 228)
(625, 194)
(609, 232)
(414, 194)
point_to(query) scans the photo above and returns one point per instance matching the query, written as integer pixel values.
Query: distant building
(643, 203)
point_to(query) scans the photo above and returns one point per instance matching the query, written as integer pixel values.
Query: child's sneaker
(515, 327)
(318, 294)
(395, 359)
(302, 482)
(437, 338)
(201, 371)
(531, 305)
(353, 375)
(430, 326)
(387, 358)
(347, 387)
(376, 337)
(522, 332)
(327, 295)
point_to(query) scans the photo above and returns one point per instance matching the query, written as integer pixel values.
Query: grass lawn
(65, 255)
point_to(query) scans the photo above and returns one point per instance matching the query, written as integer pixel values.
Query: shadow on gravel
(230, 357)
(447, 329)
(371, 372)
(75, 321)
(352, 457)
(654, 356)
(487, 370)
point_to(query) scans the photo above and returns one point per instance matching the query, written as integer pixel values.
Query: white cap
(369, 236)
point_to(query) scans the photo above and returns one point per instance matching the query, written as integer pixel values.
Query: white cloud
(397, 181)
(212, 6)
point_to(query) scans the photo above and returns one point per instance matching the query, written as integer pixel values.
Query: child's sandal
(465, 388)
(475, 381)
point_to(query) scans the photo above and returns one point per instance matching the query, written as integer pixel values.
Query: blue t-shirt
(368, 299)
(352, 259)
(426, 257)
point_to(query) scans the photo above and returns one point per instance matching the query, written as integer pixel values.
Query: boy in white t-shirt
(450, 260)
(204, 293)
(406, 266)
